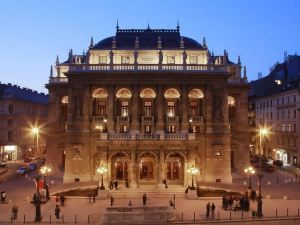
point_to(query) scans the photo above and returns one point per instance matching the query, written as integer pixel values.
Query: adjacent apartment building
(274, 102)
(148, 104)
(21, 109)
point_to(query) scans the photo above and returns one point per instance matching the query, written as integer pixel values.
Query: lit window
(124, 108)
(171, 129)
(147, 108)
(125, 59)
(123, 129)
(171, 109)
(193, 59)
(147, 129)
(283, 127)
(102, 59)
(171, 59)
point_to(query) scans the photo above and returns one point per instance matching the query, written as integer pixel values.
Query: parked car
(2, 164)
(22, 170)
(270, 168)
(32, 166)
(278, 162)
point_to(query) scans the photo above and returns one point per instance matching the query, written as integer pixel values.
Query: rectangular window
(103, 59)
(147, 108)
(289, 127)
(295, 127)
(125, 59)
(282, 114)
(172, 129)
(288, 114)
(124, 108)
(283, 127)
(193, 106)
(271, 115)
(147, 129)
(171, 109)
(193, 59)
(295, 114)
(123, 129)
(171, 59)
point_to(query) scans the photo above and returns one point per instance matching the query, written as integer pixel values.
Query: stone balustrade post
(184, 122)
(110, 110)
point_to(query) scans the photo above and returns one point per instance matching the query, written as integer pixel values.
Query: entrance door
(146, 172)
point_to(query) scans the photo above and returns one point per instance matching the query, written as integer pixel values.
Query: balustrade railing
(58, 80)
(147, 136)
(172, 119)
(148, 119)
(119, 136)
(175, 136)
(98, 119)
(123, 119)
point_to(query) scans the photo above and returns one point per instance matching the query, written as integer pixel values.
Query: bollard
(287, 212)
(242, 214)
(182, 216)
(298, 212)
(50, 218)
(88, 218)
(194, 216)
(24, 218)
(230, 214)
(218, 215)
(75, 218)
(11, 218)
(62, 219)
(276, 213)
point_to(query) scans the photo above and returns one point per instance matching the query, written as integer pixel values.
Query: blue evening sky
(33, 32)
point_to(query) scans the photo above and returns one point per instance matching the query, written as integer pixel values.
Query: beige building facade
(148, 104)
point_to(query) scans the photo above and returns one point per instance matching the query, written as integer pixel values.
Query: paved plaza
(283, 197)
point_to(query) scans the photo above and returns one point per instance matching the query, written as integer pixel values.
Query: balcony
(58, 80)
(148, 67)
(119, 136)
(175, 136)
(123, 119)
(147, 119)
(99, 119)
(172, 119)
(147, 137)
(197, 119)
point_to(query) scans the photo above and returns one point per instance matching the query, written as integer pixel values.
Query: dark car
(2, 164)
(270, 168)
(22, 170)
(32, 166)
(278, 163)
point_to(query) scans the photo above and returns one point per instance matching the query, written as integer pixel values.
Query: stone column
(133, 178)
(160, 110)
(86, 108)
(184, 122)
(161, 169)
(110, 110)
(134, 128)
(185, 174)
(208, 109)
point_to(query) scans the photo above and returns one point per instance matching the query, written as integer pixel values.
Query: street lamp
(101, 170)
(190, 121)
(192, 171)
(35, 131)
(251, 171)
(262, 132)
(45, 170)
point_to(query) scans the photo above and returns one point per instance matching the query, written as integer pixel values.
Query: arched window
(64, 108)
(124, 95)
(196, 102)
(171, 96)
(148, 94)
(99, 102)
(231, 107)
(172, 93)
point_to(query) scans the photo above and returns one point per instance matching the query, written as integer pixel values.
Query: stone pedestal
(103, 136)
(102, 194)
(161, 134)
(192, 194)
(191, 136)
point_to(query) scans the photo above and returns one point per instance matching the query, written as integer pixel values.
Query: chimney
(259, 75)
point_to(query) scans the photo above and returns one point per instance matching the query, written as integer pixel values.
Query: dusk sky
(33, 32)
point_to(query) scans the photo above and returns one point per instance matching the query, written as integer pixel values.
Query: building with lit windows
(274, 102)
(148, 104)
(21, 109)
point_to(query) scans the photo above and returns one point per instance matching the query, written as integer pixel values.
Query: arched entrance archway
(148, 167)
(120, 166)
(175, 168)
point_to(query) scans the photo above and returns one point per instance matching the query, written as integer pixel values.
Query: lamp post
(101, 170)
(262, 132)
(45, 170)
(251, 171)
(105, 127)
(35, 131)
(192, 171)
(37, 202)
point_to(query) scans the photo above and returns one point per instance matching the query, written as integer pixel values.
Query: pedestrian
(57, 199)
(111, 200)
(207, 209)
(3, 197)
(62, 199)
(144, 199)
(57, 211)
(94, 197)
(130, 203)
(213, 207)
(296, 176)
(111, 185)
(116, 184)
(14, 211)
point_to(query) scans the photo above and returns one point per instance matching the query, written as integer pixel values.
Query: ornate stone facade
(148, 105)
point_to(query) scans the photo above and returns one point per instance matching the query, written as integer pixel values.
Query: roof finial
(136, 42)
(51, 71)
(70, 55)
(57, 60)
(117, 27)
(239, 60)
(92, 43)
(204, 43)
(114, 43)
(148, 26)
(159, 42)
(181, 42)
(178, 27)
(245, 73)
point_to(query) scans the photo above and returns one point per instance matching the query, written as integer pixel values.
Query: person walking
(57, 211)
(111, 185)
(62, 199)
(14, 211)
(130, 203)
(3, 197)
(144, 199)
(213, 207)
(111, 200)
(207, 209)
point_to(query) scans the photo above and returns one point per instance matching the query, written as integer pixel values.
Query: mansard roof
(9, 91)
(148, 39)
